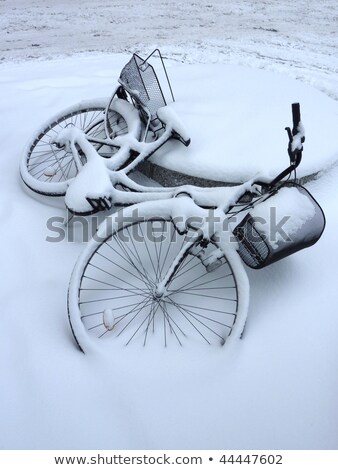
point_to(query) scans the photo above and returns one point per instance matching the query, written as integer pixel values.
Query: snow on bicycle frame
(162, 292)
(138, 96)
(117, 127)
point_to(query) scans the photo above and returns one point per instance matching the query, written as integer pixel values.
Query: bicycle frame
(224, 201)
(75, 139)
(132, 152)
(214, 225)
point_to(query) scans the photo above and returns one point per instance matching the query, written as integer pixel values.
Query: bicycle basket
(286, 222)
(139, 79)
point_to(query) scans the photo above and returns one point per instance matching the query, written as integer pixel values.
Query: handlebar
(295, 117)
(296, 137)
(295, 147)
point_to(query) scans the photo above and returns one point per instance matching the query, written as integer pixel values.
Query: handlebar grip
(295, 117)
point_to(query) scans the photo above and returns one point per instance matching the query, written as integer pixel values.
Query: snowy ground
(278, 387)
(297, 38)
(237, 127)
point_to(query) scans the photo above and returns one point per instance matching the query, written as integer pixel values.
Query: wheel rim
(117, 298)
(48, 164)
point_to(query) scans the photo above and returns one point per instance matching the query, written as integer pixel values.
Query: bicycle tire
(47, 170)
(114, 276)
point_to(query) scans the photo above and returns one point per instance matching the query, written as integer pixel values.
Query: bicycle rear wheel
(47, 169)
(112, 296)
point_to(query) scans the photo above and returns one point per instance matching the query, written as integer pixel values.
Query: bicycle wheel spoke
(57, 161)
(108, 298)
(143, 304)
(117, 265)
(95, 326)
(65, 167)
(207, 288)
(179, 274)
(165, 331)
(112, 275)
(123, 273)
(43, 155)
(169, 246)
(91, 314)
(129, 261)
(136, 314)
(221, 312)
(207, 308)
(158, 252)
(47, 162)
(113, 286)
(96, 119)
(208, 296)
(185, 263)
(134, 252)
(193, 315)
(191, 323)
(170, 321)
(203, 283)
(147, 248)
(141, 324)
(65, 171)
(101, 324)
(150, 318)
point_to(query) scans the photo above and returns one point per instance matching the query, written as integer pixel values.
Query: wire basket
(252, 247)
(139, 79)
(259, 247)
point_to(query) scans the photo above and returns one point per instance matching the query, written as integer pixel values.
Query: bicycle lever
(294, 151)
(291, 153)
(288, 130)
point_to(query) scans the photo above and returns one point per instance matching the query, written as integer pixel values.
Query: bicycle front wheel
(47, 169)
(112, 294)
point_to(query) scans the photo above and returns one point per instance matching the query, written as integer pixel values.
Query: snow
(131, 116)
(288, 202)
(276, 388)
(297, 143)
(92, 180)
(168, 116)
(247, 110)
(298, 39)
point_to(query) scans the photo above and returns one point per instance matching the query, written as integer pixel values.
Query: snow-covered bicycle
(124, 130)
(167, 267)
